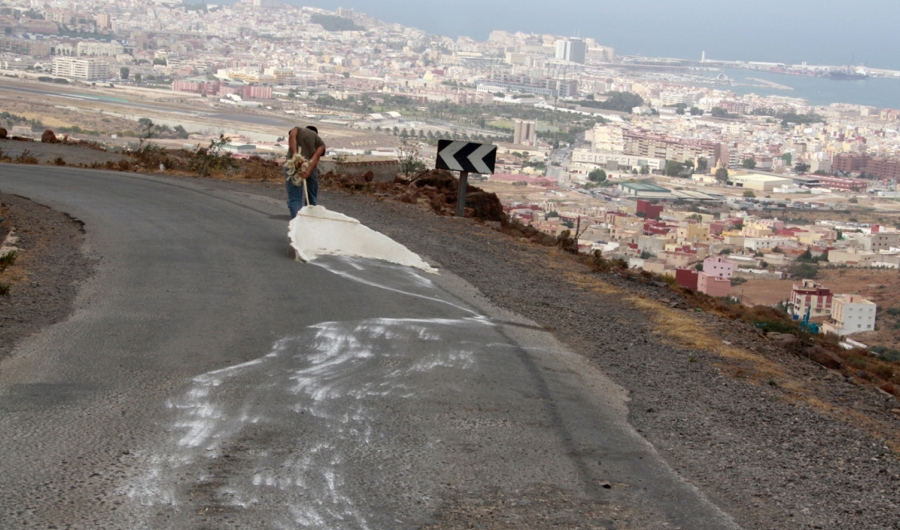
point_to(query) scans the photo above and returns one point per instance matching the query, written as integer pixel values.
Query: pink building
(811, 294)
(713, 285)
(718, 266)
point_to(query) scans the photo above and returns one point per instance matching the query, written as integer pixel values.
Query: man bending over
(311, 147)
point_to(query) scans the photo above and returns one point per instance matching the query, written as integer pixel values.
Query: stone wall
(384, 169)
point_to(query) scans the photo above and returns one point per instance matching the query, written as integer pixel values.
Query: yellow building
(756, 230)
(693, 232)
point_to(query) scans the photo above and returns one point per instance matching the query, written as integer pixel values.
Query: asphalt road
(205, 380)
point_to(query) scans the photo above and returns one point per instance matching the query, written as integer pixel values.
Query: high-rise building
(572, 50)
(525, 132)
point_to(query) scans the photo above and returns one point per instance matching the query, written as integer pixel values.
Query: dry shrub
(26, 158)
(59, 161)
(515, 228)
(437, 189)
(257, 168)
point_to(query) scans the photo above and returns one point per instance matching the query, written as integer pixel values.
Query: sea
(875, 92)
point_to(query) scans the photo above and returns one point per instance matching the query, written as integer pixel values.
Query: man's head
(313, 129)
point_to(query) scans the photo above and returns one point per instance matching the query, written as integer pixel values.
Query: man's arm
(314, 161)
(292, 144)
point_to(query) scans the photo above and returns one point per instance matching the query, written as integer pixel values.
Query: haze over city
(794, 31)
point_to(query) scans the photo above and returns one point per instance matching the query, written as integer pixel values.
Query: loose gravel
(45, 276)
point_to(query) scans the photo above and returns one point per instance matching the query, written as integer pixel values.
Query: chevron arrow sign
(466, 156)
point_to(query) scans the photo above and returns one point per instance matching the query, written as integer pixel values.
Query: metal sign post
(465, 157)
(461, 198)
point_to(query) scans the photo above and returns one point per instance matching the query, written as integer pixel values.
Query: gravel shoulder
(43, 281)
(773, 439)
(72, 155)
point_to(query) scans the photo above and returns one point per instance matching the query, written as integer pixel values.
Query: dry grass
(675, 327)
(47, 119)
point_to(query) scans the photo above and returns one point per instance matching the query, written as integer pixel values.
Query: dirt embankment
(44, 278)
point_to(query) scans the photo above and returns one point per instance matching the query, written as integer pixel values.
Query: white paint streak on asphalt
(409, 277)
(320, 393)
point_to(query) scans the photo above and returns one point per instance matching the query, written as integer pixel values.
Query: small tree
(748, 163)
(597, 175)
(749, 194)
(408, 155)
(801, 168)
(722, 174)
(645, 170)
(123, 72)
(146, 132)
(702, 164)
(804, 270)
(673, 168)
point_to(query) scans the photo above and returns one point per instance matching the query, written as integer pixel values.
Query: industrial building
(760, 182)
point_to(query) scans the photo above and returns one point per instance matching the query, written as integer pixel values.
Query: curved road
(205, 380)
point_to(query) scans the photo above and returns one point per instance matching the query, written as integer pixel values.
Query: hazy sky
(816, 31)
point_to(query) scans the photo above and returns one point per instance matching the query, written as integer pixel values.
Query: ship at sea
(846, 73)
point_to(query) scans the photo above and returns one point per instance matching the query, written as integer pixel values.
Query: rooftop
(642, 186)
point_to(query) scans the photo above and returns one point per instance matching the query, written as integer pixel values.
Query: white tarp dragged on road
(315, 231)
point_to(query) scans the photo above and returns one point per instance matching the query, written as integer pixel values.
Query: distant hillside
(333, 23)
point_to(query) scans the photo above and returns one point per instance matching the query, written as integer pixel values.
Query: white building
(99, 49)
(572, 50)
(75, 68)
(850, 313)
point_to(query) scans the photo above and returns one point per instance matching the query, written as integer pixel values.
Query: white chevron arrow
(477, 159)
(447, 155)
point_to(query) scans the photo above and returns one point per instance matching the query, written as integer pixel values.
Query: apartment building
(719, 267)
(809, 294)
(880, 167)
(881, 241)
(851, 313)
(99, 49)
(77, 68)
(529, 85)
(525, 133)
(34, 48)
